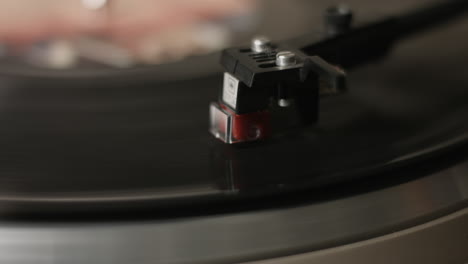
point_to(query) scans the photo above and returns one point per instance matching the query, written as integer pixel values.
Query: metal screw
(260, 44)
(285, 58)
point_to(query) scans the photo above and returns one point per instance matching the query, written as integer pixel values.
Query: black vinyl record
(122, 140)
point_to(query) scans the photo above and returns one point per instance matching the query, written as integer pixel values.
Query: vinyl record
(137, 140)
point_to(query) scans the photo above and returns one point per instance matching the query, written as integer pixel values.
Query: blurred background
(64, 34)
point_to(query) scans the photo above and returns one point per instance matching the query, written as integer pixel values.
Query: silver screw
(285, 58)
(260, 44)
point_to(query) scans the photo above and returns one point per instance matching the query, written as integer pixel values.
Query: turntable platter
(117, 165)
(140, 144)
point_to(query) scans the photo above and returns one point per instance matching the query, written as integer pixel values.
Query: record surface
(128, 141)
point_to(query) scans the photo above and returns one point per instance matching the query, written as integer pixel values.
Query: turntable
(125, 165)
